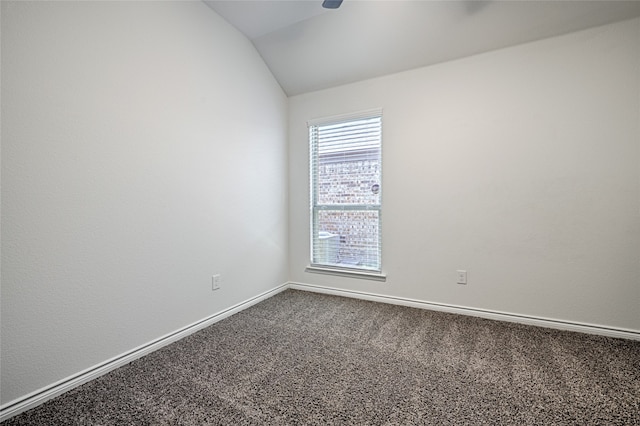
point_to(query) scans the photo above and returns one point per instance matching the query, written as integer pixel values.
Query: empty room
(320, 212)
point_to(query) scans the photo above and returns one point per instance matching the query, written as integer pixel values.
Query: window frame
(314, 207)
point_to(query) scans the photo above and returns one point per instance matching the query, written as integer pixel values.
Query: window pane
(345, 169)
(349, 182)
(347, 238)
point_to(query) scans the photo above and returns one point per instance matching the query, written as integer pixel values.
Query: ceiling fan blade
(331, 4)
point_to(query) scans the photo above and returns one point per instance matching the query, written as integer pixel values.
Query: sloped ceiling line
(310, 48)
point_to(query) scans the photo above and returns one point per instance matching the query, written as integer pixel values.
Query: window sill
(349, 273)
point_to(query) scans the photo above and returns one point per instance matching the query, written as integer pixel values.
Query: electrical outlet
(462, 276)
(215, 282)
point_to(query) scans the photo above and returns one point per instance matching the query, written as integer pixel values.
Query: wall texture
(520, 166)
(143, 150)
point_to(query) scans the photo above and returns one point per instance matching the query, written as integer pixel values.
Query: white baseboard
(482, 313)
(40, 396)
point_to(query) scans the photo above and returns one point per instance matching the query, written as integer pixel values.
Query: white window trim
(377, 275)
(346, 272)
(344, 117)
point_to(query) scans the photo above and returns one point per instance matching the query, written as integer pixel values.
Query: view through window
(346, 192)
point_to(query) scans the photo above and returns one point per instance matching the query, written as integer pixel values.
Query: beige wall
(143, 151)
(520, 166)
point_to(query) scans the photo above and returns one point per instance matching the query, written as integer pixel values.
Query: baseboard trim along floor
(40, 396)
(482, 313)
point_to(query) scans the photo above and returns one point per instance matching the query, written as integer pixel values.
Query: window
(346, 192)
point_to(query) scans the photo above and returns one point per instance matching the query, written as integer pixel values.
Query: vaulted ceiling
(310, 48)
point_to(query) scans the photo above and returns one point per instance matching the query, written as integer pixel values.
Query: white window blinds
(346, 192)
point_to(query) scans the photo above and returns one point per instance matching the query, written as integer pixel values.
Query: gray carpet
(304, 358)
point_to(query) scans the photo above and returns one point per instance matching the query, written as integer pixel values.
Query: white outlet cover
(215, 282)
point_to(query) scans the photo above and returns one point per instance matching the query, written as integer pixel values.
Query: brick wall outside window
(350, 182)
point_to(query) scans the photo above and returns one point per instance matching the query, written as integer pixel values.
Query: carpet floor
(302, 358)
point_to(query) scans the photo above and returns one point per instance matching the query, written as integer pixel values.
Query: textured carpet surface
(305, 358)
